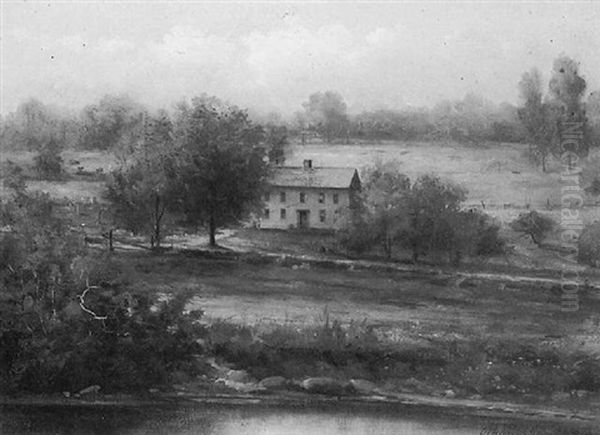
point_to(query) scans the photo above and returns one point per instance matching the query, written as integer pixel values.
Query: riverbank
(403, 330)
(547, 420)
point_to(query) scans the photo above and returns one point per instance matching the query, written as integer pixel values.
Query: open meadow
(496, 174)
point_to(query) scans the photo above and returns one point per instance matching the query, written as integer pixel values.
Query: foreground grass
(405, 332)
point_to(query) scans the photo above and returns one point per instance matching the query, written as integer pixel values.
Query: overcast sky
(272, 56)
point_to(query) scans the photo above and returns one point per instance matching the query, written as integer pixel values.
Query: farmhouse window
(267, 213)
(282, 196)
(322, 215)
(336, 198)
(321, 198)
(302, 197)
(282, 214)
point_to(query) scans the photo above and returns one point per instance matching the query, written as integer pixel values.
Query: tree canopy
(326, 112)
(222, 165)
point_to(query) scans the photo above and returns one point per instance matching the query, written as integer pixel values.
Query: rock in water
(364, 387)
(328, 386)
(273, 382)
(238, 376)
(90, 390)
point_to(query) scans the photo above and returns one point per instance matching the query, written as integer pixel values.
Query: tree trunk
(387, 245)
(157, 218)
(415, 253)
(157, 234)
(110, 240)
(544, 163)
(212, 230)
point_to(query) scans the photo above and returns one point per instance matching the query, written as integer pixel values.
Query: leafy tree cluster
(471, 119)
(424, 217)
(326, 113)
(34, 124)
(546, 118)
(206, 167)
(534, 225)
(48, 163)
(69, 320)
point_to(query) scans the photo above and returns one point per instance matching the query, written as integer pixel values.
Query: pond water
(242, 420)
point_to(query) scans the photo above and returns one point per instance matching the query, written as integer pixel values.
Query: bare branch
(82, 302)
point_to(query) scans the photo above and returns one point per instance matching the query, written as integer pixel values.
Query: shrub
(48, 163)
(472, 233)
(533, 224)
(68, 320)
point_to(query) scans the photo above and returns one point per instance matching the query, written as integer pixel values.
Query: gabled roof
(325, 177)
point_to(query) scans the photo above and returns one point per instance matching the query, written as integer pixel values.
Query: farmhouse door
(303, 218)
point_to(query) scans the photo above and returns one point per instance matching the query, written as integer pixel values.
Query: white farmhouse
(309, 197)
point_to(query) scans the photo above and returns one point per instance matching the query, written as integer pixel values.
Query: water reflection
(231, 420)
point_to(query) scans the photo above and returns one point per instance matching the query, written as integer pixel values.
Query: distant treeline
(470, 119)
(115, 122)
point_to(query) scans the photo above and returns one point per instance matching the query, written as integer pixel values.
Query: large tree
(385, 198)
(567, 88)
(547, 119)
(142, 191)
(537, 117)
(33, 125)
(432, 204)
(276, 141)
(222, 167)
(113, 122)
(426, 218)
(48, 162)
(326, 112)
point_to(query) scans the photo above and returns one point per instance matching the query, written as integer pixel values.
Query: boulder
(324, 385)
(273, 383)
(244, 387)
(92, 389)
(560, 396)
(238, 376)
(416, 386)
(364, 387)
(450, 394)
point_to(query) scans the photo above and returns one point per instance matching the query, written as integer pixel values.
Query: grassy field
(403, 330)
(73, 188)
(388, 327)
(417, 304)
(496, 174)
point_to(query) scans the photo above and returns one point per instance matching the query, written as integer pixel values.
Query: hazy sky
(272, 56)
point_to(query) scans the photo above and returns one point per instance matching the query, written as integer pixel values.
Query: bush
(48, 163)
(588, 245)
(533, 224)
(356, 237)
(472, 233)
(68, 320)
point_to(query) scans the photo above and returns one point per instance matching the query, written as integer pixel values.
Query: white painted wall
(292, 204)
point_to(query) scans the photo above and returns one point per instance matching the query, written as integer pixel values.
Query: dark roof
(335, 178)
